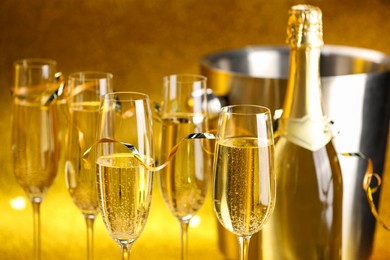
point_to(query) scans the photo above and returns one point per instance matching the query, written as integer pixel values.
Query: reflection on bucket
(356, 96)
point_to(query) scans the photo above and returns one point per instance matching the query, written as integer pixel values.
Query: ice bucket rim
(370, 55)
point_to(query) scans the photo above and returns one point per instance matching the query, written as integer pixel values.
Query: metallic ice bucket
(356, 96)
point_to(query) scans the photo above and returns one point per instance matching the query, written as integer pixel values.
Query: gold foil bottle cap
(304, 25)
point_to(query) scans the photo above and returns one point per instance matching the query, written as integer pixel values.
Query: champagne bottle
(307, 218)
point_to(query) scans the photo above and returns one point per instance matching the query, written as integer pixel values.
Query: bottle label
(307, 132)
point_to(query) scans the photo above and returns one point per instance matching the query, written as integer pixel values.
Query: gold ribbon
(57, 91)
(49, 94)
(138, 156)
(367, 182)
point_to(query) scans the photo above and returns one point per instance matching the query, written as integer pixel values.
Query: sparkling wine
(124, 190)
(81, 177)
(184, 182)
(307, 220)
(243, 198)
(35, 147)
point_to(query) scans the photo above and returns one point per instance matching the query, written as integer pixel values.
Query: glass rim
(186, 77)
(38, 62)
(136, 96)
(90, 75)
(255, 109)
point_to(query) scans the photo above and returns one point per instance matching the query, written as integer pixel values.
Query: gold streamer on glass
(138, 156)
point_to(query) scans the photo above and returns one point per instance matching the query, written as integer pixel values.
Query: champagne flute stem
(89, 220)
(244, 246)
(36, 205)
(125, 250)
(184, 239)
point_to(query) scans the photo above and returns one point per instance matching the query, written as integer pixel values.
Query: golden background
(140, 41)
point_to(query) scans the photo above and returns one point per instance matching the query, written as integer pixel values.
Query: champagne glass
(184, 181)
(124, 183)
(86, 90)
(244, 179)
(35, 142)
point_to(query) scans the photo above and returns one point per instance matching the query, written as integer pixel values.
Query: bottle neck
(303, 94)
(303, 122)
